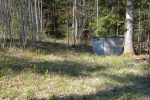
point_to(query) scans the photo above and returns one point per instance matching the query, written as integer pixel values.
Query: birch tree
(23, 32)
(75, 21)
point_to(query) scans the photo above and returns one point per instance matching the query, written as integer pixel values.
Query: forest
(74, 49)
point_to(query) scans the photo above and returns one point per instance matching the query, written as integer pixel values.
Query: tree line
(76, 20)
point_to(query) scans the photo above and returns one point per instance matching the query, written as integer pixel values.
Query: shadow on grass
(139, 87)
(66, 67)
(138, 90)
(51, 47)
(134, 87)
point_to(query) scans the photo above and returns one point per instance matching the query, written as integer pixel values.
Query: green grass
(64, 74)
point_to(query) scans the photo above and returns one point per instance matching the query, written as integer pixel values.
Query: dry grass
(26, 74)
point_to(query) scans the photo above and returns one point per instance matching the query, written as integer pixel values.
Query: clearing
(65, 74)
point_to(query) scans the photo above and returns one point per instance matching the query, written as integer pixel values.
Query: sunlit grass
(27, 74)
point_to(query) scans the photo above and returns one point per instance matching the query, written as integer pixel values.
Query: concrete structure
(107, 46)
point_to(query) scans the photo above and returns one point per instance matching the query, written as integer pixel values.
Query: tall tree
(97, 12)
(36, 18)
(75, 21)
(128, 43)
(140, 33)
(22, 33)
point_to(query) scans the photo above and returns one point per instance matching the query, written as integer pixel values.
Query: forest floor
(61, 73)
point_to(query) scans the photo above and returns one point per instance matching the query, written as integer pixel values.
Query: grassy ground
(60, 73)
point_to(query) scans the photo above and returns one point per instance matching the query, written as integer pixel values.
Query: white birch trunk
(36, 19)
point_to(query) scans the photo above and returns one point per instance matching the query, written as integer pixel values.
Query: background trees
(26, 20)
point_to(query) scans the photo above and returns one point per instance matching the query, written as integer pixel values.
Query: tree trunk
(140, 33)
(75, 22)
(22, 33)
(97, 14)
(36, 19)
(128, 43)
(41, 20)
